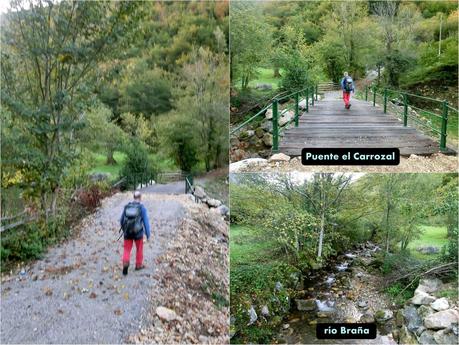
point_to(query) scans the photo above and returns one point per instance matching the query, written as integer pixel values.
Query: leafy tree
(137, 167)
(205, 82)
(145, 92)
(101, 133)
(49, 50)
(250, 37)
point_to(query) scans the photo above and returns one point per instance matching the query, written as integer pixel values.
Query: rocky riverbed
(344, 291)
(349, 290)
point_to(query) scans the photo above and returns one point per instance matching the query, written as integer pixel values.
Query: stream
(344, 291)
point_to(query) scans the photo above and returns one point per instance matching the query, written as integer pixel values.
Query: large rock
(263, 86)
(166, 314)
(440, 304)
(99, 176)
(428, 250)
(199, 192)
(223, 210)
(383, 315)
(267, 126)
(250, 133)
(367, 318)
(265, 311)
(247, 163)
(445, 336)
(424, 311)
(259, 132)
(306, 304)
(406, 337)
(269, 114)
(427, 337)
(302, 104)
(213, 202)
(234, 141)
(252, 315)
(441, 319)
(286, 118)
(279, 157)
(429, 285)
(412, 318)
(268, 139)
(421, 297)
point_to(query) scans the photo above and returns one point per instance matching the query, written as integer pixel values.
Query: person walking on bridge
(347, 84)
(135, 224)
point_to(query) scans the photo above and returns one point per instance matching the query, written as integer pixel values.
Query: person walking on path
(135, 224)
(347, 84)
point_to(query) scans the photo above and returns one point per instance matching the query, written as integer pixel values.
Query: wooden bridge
(328, 125)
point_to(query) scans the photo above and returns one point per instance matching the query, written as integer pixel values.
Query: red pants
(346, 97)
(127, 252)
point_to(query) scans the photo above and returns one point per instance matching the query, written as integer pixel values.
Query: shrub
(137, 166)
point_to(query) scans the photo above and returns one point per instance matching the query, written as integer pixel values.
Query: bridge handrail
(250, 119)
(277, 98)
(189, 189)
(384, 92)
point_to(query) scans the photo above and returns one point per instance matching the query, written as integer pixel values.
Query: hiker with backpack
(347, 84)
(134, 224)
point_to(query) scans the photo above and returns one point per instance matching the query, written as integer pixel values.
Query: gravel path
(170, 188)
(77, 294)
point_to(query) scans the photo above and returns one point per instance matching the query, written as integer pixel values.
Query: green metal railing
(135, 181)
(406, 99)
(307, 94)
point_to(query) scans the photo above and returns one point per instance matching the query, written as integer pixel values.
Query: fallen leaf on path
(118, 312)
(92, 295)
(126, 296)
(48, 291)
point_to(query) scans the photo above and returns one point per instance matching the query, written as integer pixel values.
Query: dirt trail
(76, 293)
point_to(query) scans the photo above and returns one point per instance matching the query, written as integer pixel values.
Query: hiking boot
(125, 270)
(349, 106)
(141, 267)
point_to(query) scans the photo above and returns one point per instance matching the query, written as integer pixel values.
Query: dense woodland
(288, 224)
(142, 86)
(408, 45)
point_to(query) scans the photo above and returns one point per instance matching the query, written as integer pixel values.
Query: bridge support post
(297, 110)
(374, 96)
(366, 93)
(312, 94)
(307, 100)
(444, 126)
(385, 101)
(317, 92)
(275, 127)
(405, 110)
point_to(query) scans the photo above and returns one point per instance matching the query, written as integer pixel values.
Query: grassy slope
(432, 236)
(265, 76)
(246, 248)
(100, 165)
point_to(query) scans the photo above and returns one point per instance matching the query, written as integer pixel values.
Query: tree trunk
(276, 72)
(321, 235)
(110, 159)
(387, 227)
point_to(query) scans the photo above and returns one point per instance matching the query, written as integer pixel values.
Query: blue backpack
(348, 84)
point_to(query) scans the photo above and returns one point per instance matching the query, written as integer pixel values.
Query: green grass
(435, 236)
(247, 247)
(100, 163)
(265, 76)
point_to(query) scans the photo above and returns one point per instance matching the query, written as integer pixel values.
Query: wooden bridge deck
(328, 124)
